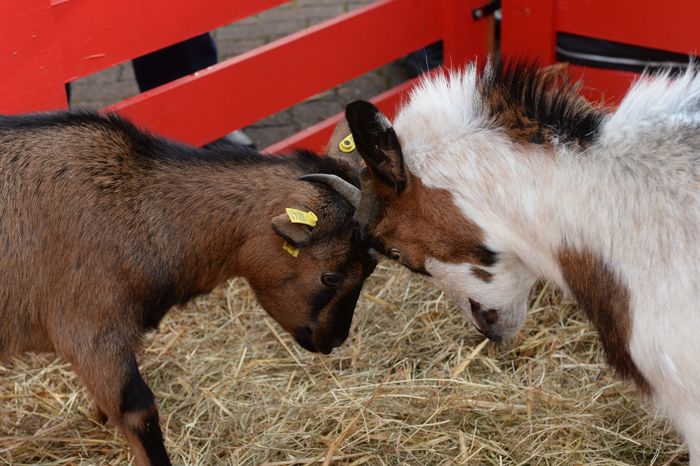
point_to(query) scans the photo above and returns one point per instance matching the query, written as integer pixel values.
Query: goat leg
(140, 423)
(112, 377)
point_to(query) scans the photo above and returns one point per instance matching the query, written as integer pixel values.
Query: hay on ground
(412, 385)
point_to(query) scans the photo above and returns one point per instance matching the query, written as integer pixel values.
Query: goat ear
(341, 143)
(341, 146)
(296, 234)
(377, 144)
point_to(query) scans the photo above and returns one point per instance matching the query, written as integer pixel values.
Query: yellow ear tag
(297, 216)
(290, 249)
(347, 145)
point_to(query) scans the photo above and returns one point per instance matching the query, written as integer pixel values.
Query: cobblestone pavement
(118, 82)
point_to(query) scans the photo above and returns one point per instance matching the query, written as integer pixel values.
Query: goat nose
(485, 320)
(303, 336)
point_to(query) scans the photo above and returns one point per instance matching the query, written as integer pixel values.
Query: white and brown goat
(103, 228)
(490, 181)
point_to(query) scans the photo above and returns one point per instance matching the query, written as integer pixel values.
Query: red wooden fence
(529, 28)
(46, 43)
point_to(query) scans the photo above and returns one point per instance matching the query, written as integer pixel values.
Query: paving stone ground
(117, 83)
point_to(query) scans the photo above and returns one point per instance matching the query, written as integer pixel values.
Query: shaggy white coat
(633, 198)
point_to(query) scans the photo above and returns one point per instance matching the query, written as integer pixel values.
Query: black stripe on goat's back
(149, 147)
(537, 105)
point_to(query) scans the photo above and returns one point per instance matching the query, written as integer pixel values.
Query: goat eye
(395, 254)
(331, 279)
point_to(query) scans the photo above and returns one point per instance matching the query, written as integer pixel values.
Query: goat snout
(485, 320)
(310, 342)
(332, 341)
(304, 336)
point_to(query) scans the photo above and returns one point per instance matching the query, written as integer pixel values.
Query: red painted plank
(316, 137)
(96, 34)
(30, 59)
(527, 29)
(246, 88)
(667, 26)
(602, 86)
(464, 38)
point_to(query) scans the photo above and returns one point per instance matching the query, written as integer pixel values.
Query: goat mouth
(490, 335)
(303, 336)
(326, 345)
(483, 320)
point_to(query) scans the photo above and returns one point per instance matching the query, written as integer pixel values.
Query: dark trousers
(174, 62)
(170, 63)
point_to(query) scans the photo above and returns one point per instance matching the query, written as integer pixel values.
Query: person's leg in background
(173, 62)
(176, 61)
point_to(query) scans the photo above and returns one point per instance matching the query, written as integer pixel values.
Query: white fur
(508, 291)
(633, 198)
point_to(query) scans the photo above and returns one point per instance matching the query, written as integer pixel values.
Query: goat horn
(367, 209)
(337, 184)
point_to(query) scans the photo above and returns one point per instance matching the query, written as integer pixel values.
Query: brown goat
(103, 228)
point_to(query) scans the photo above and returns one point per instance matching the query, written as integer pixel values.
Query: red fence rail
(530, 27)
(46, 43)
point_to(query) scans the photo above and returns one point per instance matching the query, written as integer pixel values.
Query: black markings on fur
(152, 439)
(485, 256)
(137, 397)
(378, 144)
(321, 300)
(343, 312)
(147, 147)
(166, 296)
(303, 336)
(541, 97)
(374, 243)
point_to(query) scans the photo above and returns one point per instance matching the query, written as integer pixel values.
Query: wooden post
(528, 30)
(30, 58)
(465, 39)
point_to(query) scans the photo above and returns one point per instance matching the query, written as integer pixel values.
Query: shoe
(239, 137)
(235, 138)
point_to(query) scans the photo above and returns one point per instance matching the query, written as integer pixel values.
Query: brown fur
(399, 210)
(137, 449)
(426, 223)
(341, 131)
(482, 274)
(606, 300)
(134, 423)
(104, 228)
(512, 117)
(136, 420)
(538, 106)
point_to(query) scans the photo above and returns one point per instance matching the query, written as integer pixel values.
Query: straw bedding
(412, 385)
